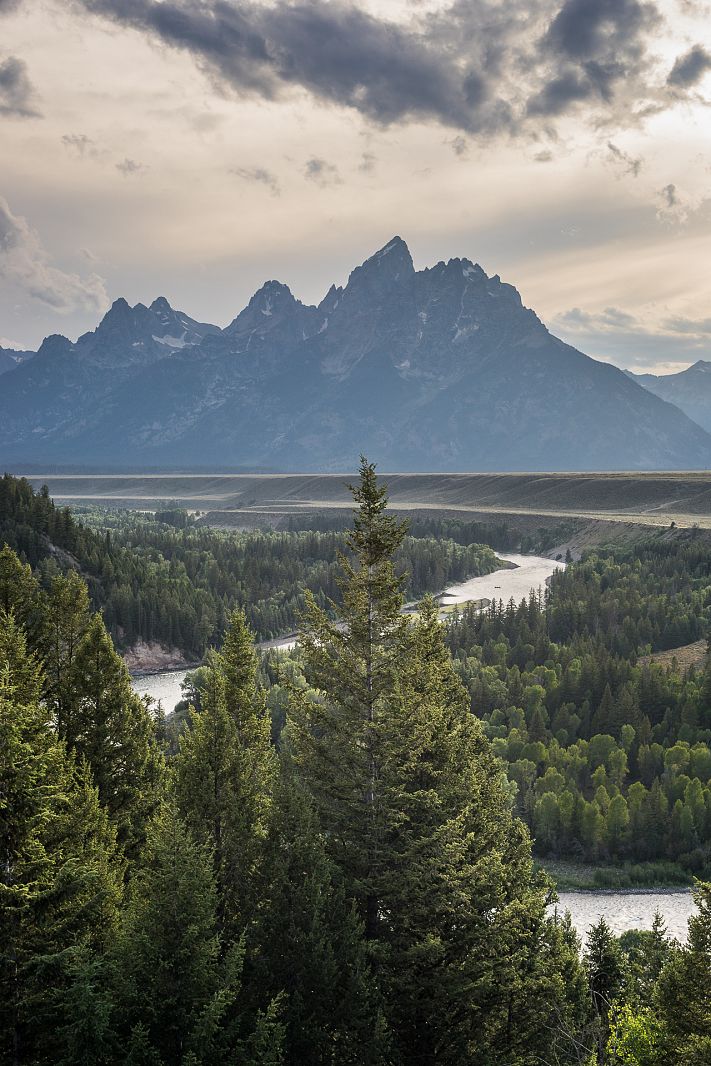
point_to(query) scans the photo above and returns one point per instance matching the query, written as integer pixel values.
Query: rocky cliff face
(438, 369)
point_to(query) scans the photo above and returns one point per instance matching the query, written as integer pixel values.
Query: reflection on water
(629, 910)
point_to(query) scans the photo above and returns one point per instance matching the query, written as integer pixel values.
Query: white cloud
(25, 265)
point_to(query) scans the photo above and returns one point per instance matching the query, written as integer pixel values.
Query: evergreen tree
(417, 816)
(20, 594)
(177, 999)
(106, 723)
(224, 777)
(684, 987)
(60, 879)
(309, 945)
(606, 977)
(66, 619)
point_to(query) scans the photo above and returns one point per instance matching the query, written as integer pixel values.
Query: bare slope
(651, 498)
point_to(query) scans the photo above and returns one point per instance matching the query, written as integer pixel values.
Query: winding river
(527, 572)
(622, 910)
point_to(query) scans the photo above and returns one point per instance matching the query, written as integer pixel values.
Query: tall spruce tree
(65, 621)
(417, 816)
(605, 965)
(224, 776)
(60, 876)
(309, 945)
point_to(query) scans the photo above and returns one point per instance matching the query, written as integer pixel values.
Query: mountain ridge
(689, 390)
(440, 368)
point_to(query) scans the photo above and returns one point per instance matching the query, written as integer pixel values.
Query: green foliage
(60, 873)
(176, 583)
(635, 1038)
(417, 819)
(177, 997)
(684, 987)
(611, 755)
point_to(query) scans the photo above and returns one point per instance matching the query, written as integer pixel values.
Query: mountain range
(438, 369)
(690, 390)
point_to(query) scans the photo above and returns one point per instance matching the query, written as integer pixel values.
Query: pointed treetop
(375, 535)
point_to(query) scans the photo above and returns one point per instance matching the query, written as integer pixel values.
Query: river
(629, 910)
(622, 910)
(528, 572)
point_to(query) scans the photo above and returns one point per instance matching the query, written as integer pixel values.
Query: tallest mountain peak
(393, 262)
(395, 251)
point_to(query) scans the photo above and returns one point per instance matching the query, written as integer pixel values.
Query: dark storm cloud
(599, 43)
(6, 6)
(480, 66)
(16, 89)
(690, 68)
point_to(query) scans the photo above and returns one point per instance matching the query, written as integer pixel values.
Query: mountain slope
(10, 359)
(438, 369)
(690, 390)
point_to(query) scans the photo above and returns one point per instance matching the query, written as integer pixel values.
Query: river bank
(617, 877)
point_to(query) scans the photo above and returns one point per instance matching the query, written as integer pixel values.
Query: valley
(606, 505)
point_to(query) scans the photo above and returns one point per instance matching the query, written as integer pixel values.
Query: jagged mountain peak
(392, 262)
(440, 368)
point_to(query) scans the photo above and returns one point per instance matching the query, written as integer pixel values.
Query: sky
(196, 148)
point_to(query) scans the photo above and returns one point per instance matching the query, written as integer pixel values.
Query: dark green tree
(60, 877)
(605, 966)
(177, 997)
(309, 945)
(224, 777)
(684, 988)
(417, 816)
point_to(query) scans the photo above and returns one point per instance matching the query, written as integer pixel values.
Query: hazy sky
(196, 148)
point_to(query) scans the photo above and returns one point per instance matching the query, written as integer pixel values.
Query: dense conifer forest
(161, 578)
(363, 891)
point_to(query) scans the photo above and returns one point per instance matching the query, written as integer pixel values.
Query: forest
(609, 752)
(162, 578)
(362, 891)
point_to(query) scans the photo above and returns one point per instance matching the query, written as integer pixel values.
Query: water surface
(629, 909)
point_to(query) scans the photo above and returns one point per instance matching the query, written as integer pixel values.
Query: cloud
(321, 172)
(611, 318)
(598, 45)
(260, 176)
(25, 265)
(696, 327)
(80, 144)
(367, 163)
(460, 146)
(16, 90)
(690, 68)
(629, 164)
(629, 340)
(6, 6)
(675, 205)
(484, 68)
(129, 167)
